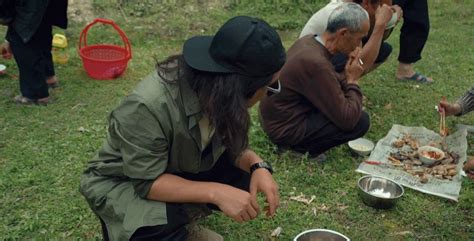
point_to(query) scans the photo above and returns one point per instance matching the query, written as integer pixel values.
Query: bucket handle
(83, 37)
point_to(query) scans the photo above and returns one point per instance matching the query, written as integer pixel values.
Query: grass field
(43, 150)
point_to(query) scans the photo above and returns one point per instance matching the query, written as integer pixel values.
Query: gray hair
(348, 15)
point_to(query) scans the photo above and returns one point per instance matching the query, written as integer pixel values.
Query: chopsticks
(442, 119)
(377, 163)
(373, 162)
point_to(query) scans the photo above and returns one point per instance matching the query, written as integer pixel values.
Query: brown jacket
(309, 84)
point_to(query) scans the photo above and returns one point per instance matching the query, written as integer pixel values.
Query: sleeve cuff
(142, 187)
(354, 87)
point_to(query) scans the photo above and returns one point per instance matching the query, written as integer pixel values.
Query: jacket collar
(193, 111)
(191, 104)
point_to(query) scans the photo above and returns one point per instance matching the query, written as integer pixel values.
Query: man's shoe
(22, 100)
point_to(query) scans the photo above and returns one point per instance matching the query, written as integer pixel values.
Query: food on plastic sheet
(409, 161)
(431, 154)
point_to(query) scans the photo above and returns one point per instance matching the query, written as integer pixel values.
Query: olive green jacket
(153, 131)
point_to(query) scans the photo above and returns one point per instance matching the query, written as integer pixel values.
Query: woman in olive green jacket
(178, 144)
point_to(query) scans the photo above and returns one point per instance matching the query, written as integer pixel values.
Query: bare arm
(247, 159)
(370, 51)
(233, 202)
(172, 188)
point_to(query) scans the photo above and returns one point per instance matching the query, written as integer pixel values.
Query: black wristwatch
(258, 165)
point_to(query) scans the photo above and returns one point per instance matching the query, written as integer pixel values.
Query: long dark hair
(223, 99)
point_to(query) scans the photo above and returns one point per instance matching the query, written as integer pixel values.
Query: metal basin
(379, 192)
(320, 235)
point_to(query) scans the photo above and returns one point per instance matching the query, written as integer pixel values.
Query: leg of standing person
(51, 79)
(46, 41)
(32, 61)
(413, 36)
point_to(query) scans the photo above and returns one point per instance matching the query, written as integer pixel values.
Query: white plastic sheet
(455, 142)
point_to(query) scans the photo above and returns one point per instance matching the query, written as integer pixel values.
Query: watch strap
(258, 165)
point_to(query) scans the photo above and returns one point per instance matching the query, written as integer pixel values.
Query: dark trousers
(34, 61)
(321, 134)
(415, 29)
(177, 214)
(339, 60)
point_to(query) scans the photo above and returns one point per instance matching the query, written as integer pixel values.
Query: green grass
(43, 153)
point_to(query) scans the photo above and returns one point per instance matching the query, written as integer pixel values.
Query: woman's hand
(236, 203)
(262, 181)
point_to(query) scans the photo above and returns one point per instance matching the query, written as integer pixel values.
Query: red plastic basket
(104, 61)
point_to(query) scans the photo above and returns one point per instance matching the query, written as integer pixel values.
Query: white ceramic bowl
(320, 235)
(2, 68)
(393, 21)
(361, 146)
(424, 151)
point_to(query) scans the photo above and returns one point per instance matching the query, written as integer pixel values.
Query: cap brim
(197, 56)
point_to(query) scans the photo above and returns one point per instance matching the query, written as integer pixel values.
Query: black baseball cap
(243, 45)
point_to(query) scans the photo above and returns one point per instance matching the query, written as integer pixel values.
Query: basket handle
(83, 36)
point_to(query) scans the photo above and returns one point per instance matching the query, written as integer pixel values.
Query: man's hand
(262, 181)
(450, 109)
(383, 14)
(5, 50)
(354, 66)
(236, 203)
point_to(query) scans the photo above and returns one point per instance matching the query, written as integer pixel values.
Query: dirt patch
(80, 11)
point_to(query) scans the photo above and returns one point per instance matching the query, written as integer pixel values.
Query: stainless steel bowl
(320, 235)
(379, 192)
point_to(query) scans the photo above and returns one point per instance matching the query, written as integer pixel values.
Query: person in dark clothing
(29, 39)
(413, 36)
(319, 108)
